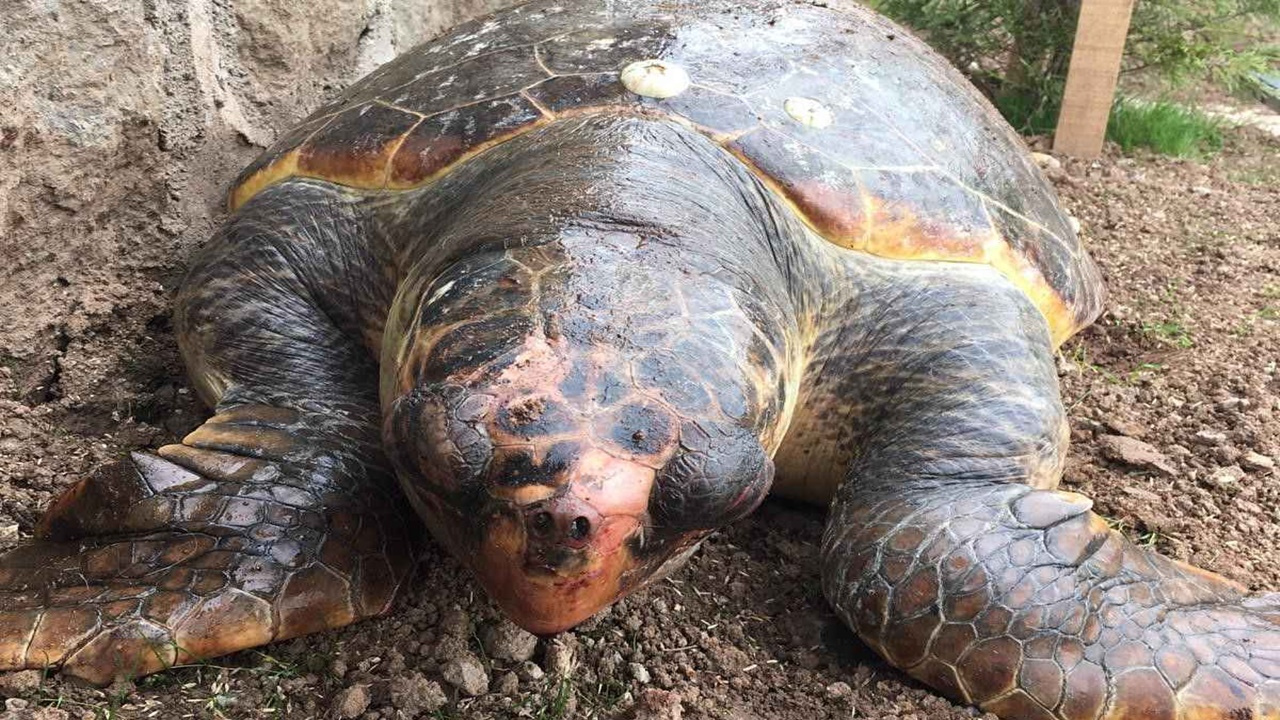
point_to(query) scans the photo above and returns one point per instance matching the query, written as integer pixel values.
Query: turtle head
(572, 427)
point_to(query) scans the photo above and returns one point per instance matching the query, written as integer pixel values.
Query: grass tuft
(1165, 127)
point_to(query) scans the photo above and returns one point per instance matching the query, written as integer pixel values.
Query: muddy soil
(1185, 360)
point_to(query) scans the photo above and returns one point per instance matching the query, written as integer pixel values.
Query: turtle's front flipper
(273, 519)
(948, 551)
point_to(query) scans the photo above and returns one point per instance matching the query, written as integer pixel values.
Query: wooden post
(1091, 79)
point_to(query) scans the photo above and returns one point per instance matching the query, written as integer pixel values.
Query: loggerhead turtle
(622, 269)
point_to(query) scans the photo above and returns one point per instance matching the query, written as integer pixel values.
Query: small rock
(1121, 426)
(448, 647)
(415, 694)
(640, 673)
(1146, 495)
(1210, 437)
(1226, 477)
(1201, 190)
(837, 690)
(1074, 222)
(609, 662)
(16, 704)
(559, 657)
(19, 683)
(1251, 461)
(530, 672)
(338, 668)
(1046, 161)
(455, 622)
(1066, 366)
(507, 684)
(506, 641)
(656, 704)
(352, 702)
(1134, 453)
(467, 674)
(49, 713)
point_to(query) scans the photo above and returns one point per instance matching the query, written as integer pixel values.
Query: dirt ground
(1185, 360)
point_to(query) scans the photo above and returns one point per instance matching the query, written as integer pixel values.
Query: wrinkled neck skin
(591, 367)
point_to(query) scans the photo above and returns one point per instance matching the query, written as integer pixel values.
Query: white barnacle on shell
(655, 78)
(808, 112)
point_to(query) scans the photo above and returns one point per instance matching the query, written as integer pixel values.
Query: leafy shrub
(1017, 51)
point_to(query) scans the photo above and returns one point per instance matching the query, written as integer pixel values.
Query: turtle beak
(553, 562)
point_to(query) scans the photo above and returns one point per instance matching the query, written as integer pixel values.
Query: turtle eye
(429, 436)
(712, 485)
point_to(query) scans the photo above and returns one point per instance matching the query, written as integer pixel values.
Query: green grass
(1173, 333)
(1165, 127)
(1161, 126)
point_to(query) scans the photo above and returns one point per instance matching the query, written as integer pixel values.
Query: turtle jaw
(550, 597)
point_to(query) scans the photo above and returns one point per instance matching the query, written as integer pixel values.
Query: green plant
(1215, 40)
(1171, 332)
(1165, 127)
(556, 704)
(1017, 51)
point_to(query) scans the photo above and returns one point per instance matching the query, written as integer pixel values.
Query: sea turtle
(622, 269)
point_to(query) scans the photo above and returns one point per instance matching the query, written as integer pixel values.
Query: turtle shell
(874, 140)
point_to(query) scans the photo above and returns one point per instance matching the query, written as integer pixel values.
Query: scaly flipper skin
(950, 553)
(273, 519)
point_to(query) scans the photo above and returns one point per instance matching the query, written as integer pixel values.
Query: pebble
(455, 622)
(15, 704)
(1134, 453)
(467, 674)
(609, 662)
(1046, 161)
(507, 684)
(19, 683)
(414, 694)
(656, 704)
(1121, 426)
(1210, 437)
(1226, 477)
(559, 657)
(837, 690)
(505, 641)
(1257, 462)
(530, 672)
(352, 702)
(640, 673)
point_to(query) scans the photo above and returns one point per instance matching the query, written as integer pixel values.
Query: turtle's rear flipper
(950, 553)
(276, 517)
(199, 552)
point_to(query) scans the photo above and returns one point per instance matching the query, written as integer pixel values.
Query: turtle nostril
(579, 528)
(543, 523)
